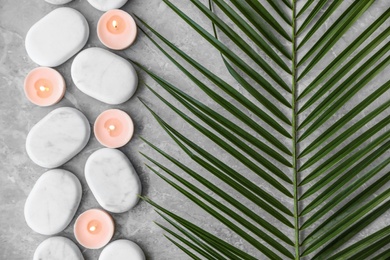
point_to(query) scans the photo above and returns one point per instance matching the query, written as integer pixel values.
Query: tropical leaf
(321, 142)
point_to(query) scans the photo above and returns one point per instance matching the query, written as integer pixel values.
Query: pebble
(58, 2)
(104, 76)
(122, 250)
(58, 137)
(104, 5)
(57, 37)
(53, 202)
(112, 180)
(57, 248)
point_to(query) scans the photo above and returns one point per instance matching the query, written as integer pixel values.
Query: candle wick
(115, 24)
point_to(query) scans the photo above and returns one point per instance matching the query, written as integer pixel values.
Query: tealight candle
(44, 86)
(116, 29)
(94, 228)
(113, 128)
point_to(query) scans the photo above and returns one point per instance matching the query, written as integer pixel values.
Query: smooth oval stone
(104, 5)
(57, 37)
(122, 250)
(58, 2)
(57, 248)
(52, 202)
(58, 137)
(104, 76)
(112, 180)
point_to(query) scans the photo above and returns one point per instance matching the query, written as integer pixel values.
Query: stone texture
(58, 248)
(57, 37)
(122, 249)
(18, 115)
(58, 137)
(103, 5)
(104, 76)
(112, 180)
(52, 202)
(58, 2)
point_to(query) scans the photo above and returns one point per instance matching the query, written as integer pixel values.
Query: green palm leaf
(359, 251)
(320, 142)
(252, 34)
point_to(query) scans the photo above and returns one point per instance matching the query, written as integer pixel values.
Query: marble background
(17, 115)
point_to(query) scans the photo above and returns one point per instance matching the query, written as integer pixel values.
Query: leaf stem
(294, 130)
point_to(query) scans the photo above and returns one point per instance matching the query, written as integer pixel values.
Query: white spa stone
(122, 250)
(104, 5)
(52, 202)
(57, 37)
(58, 2)
(58, 137)
(104, 76)
(112, 180)
(57, 248)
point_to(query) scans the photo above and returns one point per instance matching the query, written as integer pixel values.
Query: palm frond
(334, 33)
(366, 247)
(336, 170)
(312, 14)
(329, 11)
(343, 56)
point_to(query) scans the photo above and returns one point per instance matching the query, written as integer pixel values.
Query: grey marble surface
(18, 115)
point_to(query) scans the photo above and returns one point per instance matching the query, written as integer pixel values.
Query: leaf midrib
(294, 131)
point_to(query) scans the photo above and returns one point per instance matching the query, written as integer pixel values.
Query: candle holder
(116, 29)
(94, 228)
(44, 86)
(113, 128)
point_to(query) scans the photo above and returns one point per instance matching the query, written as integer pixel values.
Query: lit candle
(44, 86)
(113, 128)
(94, 228)
(116, 29)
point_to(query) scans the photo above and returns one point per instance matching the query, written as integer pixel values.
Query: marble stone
(58, 137)
(57, 37)
(112, 180)
(58, 248)
(122, 249)
(104, 5)
(58, 2)
(104, 76)
(52, 202)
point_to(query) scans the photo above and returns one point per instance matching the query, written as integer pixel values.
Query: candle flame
(92, 228)
(111, 127)
(115, 24)
(43, 88)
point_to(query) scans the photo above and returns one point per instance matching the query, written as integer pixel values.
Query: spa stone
(122, 249)
(52, 202)
(57, 37)
(58, 2)
(57, 248)
(104, 76)
(112, 180)
(104, 5)
(58, 137)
